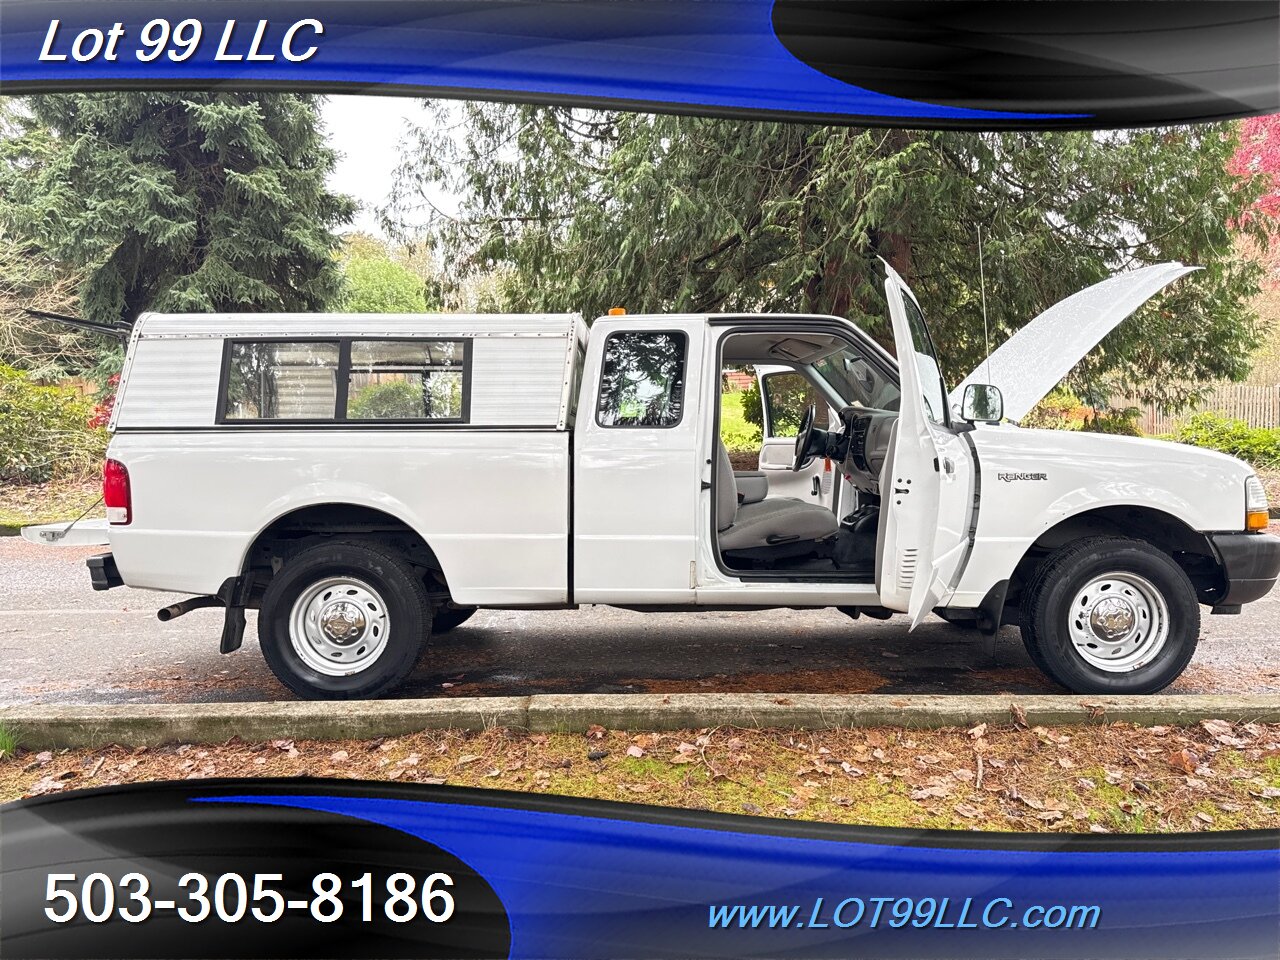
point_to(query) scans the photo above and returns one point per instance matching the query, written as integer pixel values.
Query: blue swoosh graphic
(716, 54)
(576, 885)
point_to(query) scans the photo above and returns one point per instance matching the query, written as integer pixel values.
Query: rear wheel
(344, 621)
(1110, 615)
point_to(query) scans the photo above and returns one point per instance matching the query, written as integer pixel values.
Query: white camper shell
(365, 481)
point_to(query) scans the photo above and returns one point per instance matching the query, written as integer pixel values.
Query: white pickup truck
(366, 481)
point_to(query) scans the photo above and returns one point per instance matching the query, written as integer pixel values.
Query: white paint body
(534, 503)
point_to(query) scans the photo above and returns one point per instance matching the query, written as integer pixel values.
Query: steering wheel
(804, 436)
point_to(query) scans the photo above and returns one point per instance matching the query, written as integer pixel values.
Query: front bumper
(103, 572)
(1251, 562)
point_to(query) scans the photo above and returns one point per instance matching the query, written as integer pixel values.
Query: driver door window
(786, 397)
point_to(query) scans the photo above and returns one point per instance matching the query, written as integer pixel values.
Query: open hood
(1036, 358)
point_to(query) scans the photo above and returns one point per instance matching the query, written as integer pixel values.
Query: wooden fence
(1259, 406)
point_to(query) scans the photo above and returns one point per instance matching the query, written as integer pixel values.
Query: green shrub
(1259, 446)
(1123, 423)
(1060, 410)
(380, 285)
(45, 432)
(752, 406)
(393, 400)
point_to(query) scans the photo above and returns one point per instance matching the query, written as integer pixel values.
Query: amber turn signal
(617, 311)
(1256, 520)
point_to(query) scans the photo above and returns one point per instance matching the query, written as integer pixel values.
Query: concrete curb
(48, 727)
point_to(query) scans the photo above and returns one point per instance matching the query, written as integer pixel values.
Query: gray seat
(778, 523)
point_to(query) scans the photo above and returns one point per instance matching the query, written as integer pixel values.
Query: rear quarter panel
(492, 504)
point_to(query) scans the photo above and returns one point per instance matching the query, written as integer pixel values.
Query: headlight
(1255, 505)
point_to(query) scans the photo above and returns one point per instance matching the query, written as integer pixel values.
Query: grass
(21, 505)
(8, 742)
(737, 432)
(1105, 779)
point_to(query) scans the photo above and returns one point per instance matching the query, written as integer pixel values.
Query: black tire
(446, 618)
(1046, 614)
(407, 616)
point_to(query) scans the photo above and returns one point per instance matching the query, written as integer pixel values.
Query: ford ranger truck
(365, 482)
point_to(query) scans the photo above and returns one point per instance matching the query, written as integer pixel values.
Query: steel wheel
(339, 626)
(1118, 622)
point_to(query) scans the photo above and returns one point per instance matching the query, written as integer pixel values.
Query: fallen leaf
(635, 751)
(339, 756)
(925, 793)
(45, 785)
(467, 758)
(751, 808)
(596, 731)
(965, 810)
(1204, 818)
(1185, 760)
(1019, 715)
(978, 732)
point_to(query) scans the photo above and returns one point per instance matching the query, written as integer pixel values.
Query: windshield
(858, 383)
(926, 362)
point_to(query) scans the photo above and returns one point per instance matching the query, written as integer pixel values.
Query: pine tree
(177, 201)
(584, 210)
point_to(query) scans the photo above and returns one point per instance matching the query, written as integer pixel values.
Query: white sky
(366, 132)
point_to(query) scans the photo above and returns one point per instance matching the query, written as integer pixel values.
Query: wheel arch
(301, 526)
(1191, 549)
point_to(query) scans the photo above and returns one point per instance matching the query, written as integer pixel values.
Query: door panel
(636, 477)
(926, 486)
(784, 395)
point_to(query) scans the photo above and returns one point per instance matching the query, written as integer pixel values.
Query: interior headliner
(783, 348)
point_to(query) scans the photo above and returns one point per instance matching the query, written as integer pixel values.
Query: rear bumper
(1251, 562)
(103, 572)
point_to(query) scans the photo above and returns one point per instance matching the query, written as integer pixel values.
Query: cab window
(642, 380)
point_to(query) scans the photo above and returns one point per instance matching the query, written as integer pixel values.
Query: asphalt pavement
(62, 642)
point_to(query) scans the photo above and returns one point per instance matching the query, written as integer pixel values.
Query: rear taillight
(115, 492)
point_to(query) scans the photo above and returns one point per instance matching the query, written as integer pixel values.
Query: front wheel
(344, 620)
(1110, 615)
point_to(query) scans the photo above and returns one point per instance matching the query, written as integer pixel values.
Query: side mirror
(982, 403)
